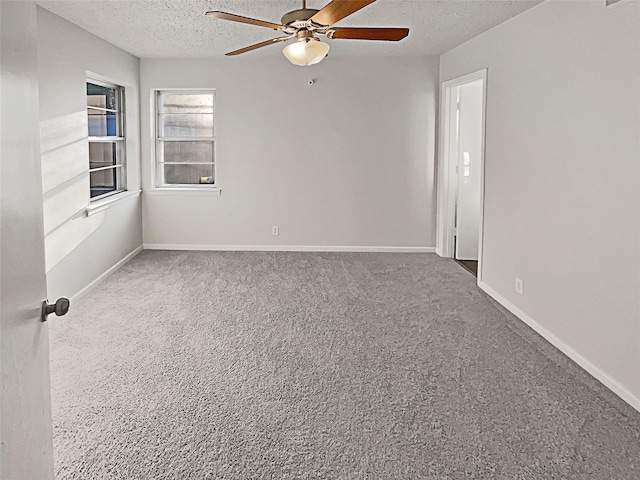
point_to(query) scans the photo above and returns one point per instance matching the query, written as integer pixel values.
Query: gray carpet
(198, 365)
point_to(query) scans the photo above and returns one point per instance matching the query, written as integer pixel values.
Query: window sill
(103, 204)
(184, 191)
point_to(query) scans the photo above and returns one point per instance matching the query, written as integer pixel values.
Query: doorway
(461, 170)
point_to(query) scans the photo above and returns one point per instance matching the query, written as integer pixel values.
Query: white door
(25, 415)
(469, 164)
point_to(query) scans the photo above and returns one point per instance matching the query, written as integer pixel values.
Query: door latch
(61, 307)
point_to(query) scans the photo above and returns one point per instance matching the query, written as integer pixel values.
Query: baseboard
(594, 371)
(286, 248)
(95, 283)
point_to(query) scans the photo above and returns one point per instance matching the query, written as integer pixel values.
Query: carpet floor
(256, 365)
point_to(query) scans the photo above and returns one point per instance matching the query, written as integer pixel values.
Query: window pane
(102, 107)
(104, 119)
(101, 123)
(176, 125)
(102, 154)
(188, 174)
(104, 181)
(186, 103)
(185, 138)
(103, 97)
(199, 152)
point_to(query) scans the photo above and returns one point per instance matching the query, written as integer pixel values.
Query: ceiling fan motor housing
(301, 15)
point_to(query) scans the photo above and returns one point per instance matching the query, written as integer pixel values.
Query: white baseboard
(286, 248)
(594, 371)
(95, 283)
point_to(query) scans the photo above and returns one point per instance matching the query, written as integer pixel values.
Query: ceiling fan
(305, 23)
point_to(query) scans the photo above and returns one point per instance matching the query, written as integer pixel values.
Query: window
(106, 139)
(185, 139)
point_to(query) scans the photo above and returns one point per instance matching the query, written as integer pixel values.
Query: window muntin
(185, 139)
(106, 139)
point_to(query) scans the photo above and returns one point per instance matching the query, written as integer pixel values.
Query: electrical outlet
(519, 286)
(275, 230)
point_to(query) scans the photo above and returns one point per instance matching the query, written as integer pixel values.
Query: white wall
(562, 179)
(78, 248)
(348, 161)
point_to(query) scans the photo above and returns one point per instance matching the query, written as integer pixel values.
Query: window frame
(159, 141)
(119, 140)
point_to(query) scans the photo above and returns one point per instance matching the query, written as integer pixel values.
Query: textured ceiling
(178, 28)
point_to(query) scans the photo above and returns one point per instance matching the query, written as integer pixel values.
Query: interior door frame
(447, 176)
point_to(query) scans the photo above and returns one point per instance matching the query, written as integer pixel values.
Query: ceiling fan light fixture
(306, 51)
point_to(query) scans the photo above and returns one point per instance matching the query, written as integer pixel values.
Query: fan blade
(389, 34)
(337, 10)
(259, 45)
(239, 19)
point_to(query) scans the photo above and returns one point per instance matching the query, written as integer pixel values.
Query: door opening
(461, 170)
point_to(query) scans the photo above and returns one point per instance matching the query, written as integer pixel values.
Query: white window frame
(120, 167)
(158, 172)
